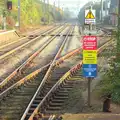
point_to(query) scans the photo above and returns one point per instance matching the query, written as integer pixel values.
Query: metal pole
(89, 92)
(101, 11)
(19, 14)
(89, 79)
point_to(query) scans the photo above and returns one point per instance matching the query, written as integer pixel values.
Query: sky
(73, 5)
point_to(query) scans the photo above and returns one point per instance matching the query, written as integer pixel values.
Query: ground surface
(77, 109)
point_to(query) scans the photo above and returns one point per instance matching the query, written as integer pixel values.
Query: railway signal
(9, 5)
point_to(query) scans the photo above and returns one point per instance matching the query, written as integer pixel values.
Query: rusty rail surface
(47, 74)
(4, 82)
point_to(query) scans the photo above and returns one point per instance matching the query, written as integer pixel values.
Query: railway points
(59, 60)
(44, 81)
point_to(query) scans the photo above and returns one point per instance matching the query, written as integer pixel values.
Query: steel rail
(63, 78)
(4, 82)
(36, 72)
(23, 45)
(34, 33)
(46, 75)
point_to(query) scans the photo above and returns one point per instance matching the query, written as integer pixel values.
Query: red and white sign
(89, 42)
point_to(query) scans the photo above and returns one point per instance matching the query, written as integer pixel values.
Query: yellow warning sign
(89, 56)
(90, 15)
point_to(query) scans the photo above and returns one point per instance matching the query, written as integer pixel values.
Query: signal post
(89, 52)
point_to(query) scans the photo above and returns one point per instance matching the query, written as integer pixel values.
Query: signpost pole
(89, 79)
(89, 52)
(89, 92)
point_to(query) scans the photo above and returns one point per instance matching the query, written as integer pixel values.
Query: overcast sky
(73, 5)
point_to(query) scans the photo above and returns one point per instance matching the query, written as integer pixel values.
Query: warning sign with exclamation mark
(90, 17)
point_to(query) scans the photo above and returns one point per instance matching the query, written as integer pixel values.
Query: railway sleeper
(36, 101)
(61, 94)
(27, 116)
(55, 104)
(45, 89)
(48, 112)
(66, 87)
(31, 110)
(42, 93)
(38, 98)
(57, 101)
(34, 105)
(64, 90)
(54, 108)
(60, 97)
(49, 85)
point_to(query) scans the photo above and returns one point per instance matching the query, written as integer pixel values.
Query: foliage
(32, 11)
(111, 79)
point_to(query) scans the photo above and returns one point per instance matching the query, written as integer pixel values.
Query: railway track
(46, 86)
(29, 115)
(17, 71)
(57, 63)
(53, 101)
(30, 85)
(16, 45)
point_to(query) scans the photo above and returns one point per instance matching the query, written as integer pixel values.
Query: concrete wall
(8, 37)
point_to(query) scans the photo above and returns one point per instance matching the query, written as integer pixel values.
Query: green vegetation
(32, 13)
(111, 79)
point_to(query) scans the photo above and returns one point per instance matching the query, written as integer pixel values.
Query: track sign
(89, 56)
(90, 17)
(89, 70)
(89, 42)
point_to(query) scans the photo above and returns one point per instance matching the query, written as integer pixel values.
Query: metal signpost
(90, 52)
(89, 60)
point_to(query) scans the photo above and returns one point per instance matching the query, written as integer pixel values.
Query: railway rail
(50, 68)
(39, 98)
(53, 101)
(18, 70)
(16, 45)
(42, 90)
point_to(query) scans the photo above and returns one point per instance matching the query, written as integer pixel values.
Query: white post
(4, 22)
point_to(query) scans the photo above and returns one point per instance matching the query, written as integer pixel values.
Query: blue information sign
(90, 70)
